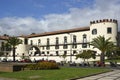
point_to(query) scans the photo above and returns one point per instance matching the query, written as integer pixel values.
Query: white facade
(51, 45)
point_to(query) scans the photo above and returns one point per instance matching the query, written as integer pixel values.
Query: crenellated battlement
(104, 20)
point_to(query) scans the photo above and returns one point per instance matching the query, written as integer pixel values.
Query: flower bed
(43, 65)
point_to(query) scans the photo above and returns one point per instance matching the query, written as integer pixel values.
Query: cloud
(18, 26)
(75, 17)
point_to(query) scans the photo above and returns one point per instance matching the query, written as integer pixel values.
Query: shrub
(43, 65)
(30, 66)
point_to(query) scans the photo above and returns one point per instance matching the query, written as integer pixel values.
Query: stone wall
(11, 67)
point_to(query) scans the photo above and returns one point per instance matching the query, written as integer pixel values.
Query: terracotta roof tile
(4, 37)
(59, 32)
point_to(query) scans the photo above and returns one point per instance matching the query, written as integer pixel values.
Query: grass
(61, 74)
(113, 60)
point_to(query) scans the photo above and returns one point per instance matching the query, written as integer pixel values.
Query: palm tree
(14, 41)
(104, 45)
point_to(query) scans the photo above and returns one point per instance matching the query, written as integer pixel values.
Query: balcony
(60, 44)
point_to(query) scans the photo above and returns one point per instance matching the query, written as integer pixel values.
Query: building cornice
(59, 32)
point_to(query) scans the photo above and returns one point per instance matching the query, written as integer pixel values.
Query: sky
(23, 17)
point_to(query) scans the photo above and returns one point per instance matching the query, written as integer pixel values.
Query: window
(65, 52)
(74, 42)
(48, 44)
(31, 42)
(109, 30)
(39, 41)
(48, 41)
(57, 53)
(57, 43)
(84, 44)
(65, 43)
(84, 38)
(74, 39)
(74, 52)
(47, 52)
(43, 47)
(57, 40)
(65, 40)
(2, 46)
(25, 41)
(43, 52)
(94, 31)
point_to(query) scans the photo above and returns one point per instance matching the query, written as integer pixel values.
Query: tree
(86, 54)
(4, 49)
(104, 45)
(94, 55)
(13, 42)
(64, 56)
(1, 53)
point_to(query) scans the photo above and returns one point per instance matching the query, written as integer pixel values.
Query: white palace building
(51, 45)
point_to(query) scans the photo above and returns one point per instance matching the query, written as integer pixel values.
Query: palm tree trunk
(13, 54)
(102, 58)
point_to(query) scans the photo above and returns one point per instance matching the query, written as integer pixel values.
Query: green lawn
(114, 60)
(61, 74)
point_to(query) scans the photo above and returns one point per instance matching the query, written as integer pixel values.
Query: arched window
(65, 39)
(65, 43)
(2, 46)
(57, 43)
(74, 45)
(48, 41)
(57, 53)
(31, 42)
(48, 44)
(94, 31)
(57, 40)
(74, 38)
(39, 41)
(84, 44)
(84, 38)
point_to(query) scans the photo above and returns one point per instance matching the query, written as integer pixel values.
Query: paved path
(114, 75)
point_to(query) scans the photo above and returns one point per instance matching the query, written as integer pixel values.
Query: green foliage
(1, 53)
(64, 56)
(5, 47)
(104, 45)
(116, 59)
(30, 66)
(86, 54)
(93, 55)
(13, 42)
(43, 65)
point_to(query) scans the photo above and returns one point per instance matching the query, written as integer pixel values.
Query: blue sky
(39, 8)
(18, 17)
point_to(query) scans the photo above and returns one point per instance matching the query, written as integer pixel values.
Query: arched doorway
(34, 50)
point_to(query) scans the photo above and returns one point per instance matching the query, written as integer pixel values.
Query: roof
(4, 37)
(59, 32)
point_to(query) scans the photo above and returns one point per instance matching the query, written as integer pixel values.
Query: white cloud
(76, 17)
(18, 26)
